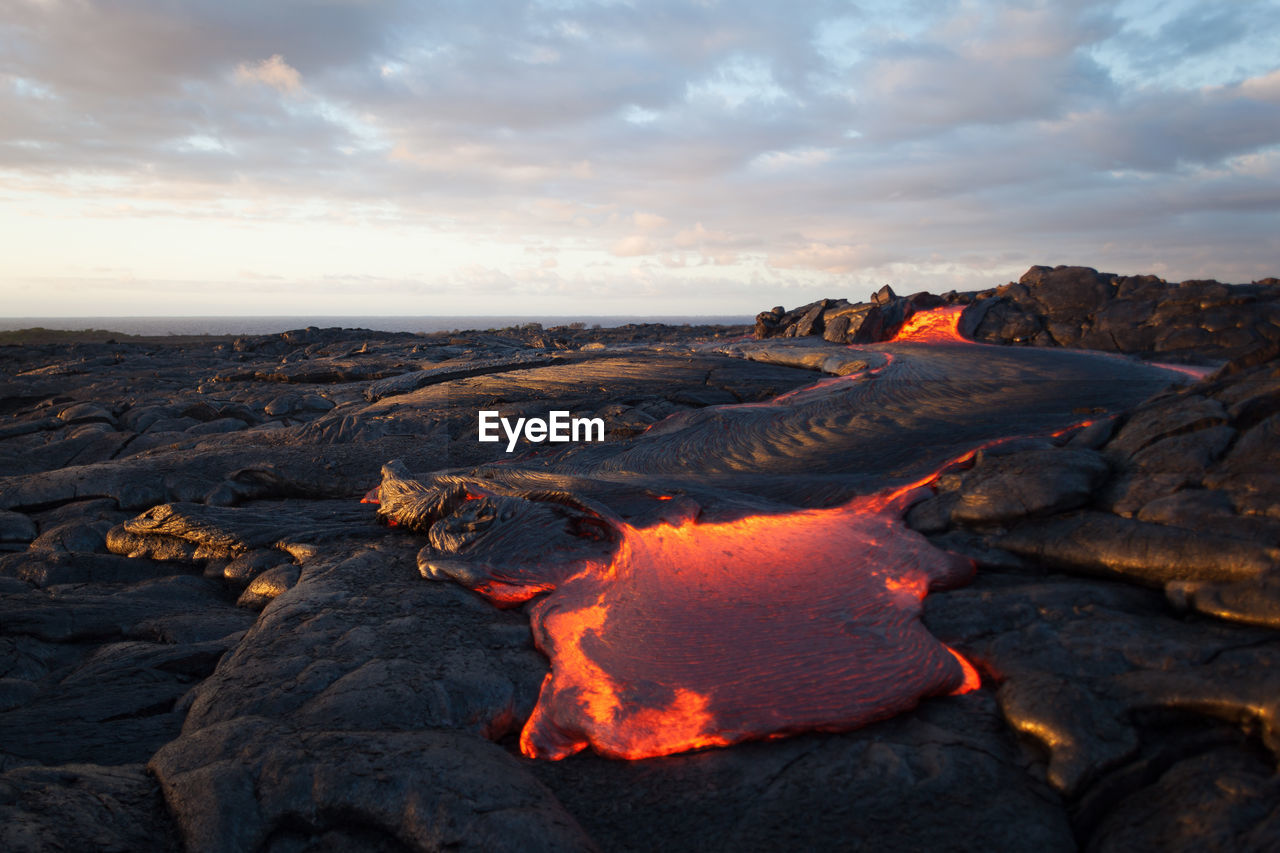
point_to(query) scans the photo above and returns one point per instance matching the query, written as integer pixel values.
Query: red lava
(698, 635)
(1195, 371)
(936, 326)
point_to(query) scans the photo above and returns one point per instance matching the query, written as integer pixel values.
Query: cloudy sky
(568, 156)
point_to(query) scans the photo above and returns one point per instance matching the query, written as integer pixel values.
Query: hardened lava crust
(968, 571)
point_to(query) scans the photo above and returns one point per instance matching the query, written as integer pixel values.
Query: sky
(374, 157)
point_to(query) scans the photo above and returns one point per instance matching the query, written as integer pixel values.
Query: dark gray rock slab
(1225, 799)
(178, 608)
(81, 413)
(1173, 415)
(74, 537)
(1032, 483)
(28, 659)
(1106, 545)
(811, 323)
(1250, 472)
(29, 426)
(81, 807)
(51, 567)
(16, 528)
(836, 330)
(949, 776)
(1253, 602)
(190, 532)
(216, 426)
(360, 641)
(243, 569)
(407, 382)
(116, 706)
(258, 784)
(1080, 666)
(1066, 290)
(267, 585)
(1210, 511)
(1005, 321)
(1165, 466)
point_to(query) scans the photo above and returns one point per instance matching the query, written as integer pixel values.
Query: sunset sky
(363, 157)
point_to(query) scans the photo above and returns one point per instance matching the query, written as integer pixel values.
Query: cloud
(823, 145)
(829, 258)
(633, 246)
(273, 72)
(1265, 87)
(649, 221)
(779, 160)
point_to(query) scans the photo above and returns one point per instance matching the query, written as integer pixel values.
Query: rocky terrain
(209, 642)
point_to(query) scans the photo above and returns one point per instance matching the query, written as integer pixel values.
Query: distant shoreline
(172, 328)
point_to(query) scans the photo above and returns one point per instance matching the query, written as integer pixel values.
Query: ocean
(270, 325)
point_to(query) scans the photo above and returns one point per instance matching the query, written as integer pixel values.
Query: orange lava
(1195, 371)
(935, 326)
(972, 680)
(699, 635)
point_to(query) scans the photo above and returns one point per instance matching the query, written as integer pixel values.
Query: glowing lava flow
(935, 326)
(708, 634)
(665, 634)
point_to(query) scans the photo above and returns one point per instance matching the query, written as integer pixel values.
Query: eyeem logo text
(557, 426)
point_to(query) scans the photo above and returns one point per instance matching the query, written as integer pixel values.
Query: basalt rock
(15, 529)
(1082, 667)
(1032, 483)
(194, 532)
(415, 790)
(351, 703)
(116, 706)
(1078, 306)
(1071, 306)
(83, 807)
(266, 586)
(177, 608)
(1153, 554)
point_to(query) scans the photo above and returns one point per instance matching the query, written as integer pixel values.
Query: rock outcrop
(1067, 306)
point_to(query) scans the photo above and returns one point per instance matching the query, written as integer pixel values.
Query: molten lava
(936, 326)
(708, 634)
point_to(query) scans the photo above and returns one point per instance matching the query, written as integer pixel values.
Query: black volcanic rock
(83, 807)
(1154, 554)
(15, 529)
(811, 323)
(1032, 483)
(1064, 291)
(1123, 618)
(1078, 306)
(416, 790)
(1072, 306)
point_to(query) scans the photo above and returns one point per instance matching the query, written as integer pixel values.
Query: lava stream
(935, 326)
(708, 634)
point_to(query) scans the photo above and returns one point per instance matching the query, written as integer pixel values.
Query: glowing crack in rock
(729, 575)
